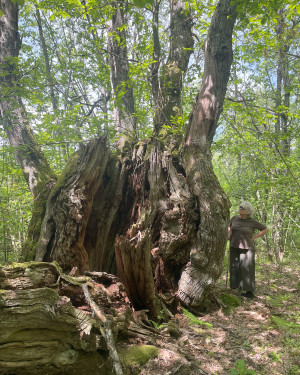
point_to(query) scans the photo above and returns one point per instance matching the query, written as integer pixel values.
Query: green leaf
(240, 365)
(20, 2)
(140, 3)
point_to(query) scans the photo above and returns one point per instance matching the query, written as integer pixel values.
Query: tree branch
(107, 331)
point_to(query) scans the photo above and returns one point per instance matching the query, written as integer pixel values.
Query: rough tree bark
(208, 251)
(155, 213)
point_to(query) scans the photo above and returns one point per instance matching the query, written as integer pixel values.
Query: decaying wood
(107, 331)
(46, 326)
(134, 267)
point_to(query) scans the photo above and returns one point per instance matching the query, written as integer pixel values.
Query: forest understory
(250, 336)
(56, 324)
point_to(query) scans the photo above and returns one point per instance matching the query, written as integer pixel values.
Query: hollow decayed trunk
(161, 229)
(134, 268)
(141, 211)
(109, 216)
(47, 326)
(160, 205)
(142, 207)
(161, 208)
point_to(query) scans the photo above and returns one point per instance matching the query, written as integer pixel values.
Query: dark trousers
(242, 269)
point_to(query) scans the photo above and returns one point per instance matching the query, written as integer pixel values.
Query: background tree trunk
(36, 170)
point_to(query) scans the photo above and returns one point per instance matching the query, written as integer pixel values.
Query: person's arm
(260, 234)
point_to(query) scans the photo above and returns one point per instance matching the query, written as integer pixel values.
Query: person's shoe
(248, 294)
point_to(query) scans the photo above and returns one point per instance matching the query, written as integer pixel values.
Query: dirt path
(262, 333)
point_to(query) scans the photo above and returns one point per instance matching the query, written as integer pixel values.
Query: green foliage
(279, 299)
(276, 357)
(158, 326)
(142, 3)
(294, 370)
(284, 324)
(15, 206)
(194, 321)
(230, 301)
(240, 369)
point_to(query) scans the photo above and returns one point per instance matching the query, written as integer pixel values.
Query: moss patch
(231, 302)
(138, 354)
(31, 265)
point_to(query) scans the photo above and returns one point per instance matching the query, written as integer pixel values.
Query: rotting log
(46, 325)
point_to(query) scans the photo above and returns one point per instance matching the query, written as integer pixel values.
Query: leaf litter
(250, 336)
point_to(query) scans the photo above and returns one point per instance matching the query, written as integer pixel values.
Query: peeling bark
(109, 217)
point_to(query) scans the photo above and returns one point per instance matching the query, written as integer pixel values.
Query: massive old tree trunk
(154, 213)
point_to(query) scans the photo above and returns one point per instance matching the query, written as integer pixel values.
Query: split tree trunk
(155, 215)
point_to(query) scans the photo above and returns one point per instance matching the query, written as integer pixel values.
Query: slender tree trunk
(282, 143)
(120, 81)
(50, 79)
(36, 170)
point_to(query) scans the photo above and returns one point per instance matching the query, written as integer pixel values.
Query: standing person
(242, 252)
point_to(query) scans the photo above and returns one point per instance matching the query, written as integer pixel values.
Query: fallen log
(47, 325)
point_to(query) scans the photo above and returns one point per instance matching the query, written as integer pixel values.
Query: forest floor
(260, 335)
